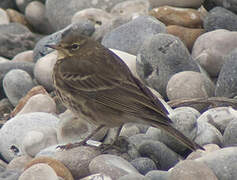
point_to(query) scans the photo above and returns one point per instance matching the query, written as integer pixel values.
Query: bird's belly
(93, 112)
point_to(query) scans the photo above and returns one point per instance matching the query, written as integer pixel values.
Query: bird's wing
(120, 91)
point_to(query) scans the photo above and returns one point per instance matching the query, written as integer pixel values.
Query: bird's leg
(83, 142)
(105, 147)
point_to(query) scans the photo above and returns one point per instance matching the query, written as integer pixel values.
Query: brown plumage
(97, 85)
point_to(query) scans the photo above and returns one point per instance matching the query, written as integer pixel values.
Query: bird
(95, 84)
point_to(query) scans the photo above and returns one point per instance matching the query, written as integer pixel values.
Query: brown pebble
(58, 167)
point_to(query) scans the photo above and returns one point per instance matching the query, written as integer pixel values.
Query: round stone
(16, 84)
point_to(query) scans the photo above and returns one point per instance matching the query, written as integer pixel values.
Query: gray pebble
(130, 36)
(158, 175)
(230, 134)
(143, 165)
(160, 57)
(163, 157)
(222, 162)
(16, 84)
(226, 85)
(220, 18)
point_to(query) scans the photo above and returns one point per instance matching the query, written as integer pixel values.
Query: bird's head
(69, 45)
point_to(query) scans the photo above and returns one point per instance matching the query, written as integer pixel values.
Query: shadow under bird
(97, 85)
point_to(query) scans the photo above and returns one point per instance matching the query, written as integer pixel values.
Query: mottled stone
(220, 18)
(160, 57)
(178, 16)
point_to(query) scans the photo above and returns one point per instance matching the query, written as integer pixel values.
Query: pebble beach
(185, 51)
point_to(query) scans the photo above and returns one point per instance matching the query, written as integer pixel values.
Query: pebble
(130, 36)
(131, 8)
(19, 162)
(220, 18)
(113, 166)
(9, 174)
(230, 134)
(16, 84)
(187, 35)
(21, 4)
(4, 19)
(16, 38)
(39, 171)
(77, 160)
(15, 130)
(5, 109)
(219, 117)
(226, 83)
(133, 176)
(35, 13)
(24, 56)
(36, 140)
(98, 17)
(190, 84)
(158, 174)
(17, 17)
(188, 169)
(228, 4)
(34, 91)
(199, 153)
(129, 129)
(222, 162)
(57, 166)
(7, 4)
(43, 70)
(160, 57)
(210, 49)
(181, 3)
(98, 176)
(114, 23)
(163, 157)
(60, 19)
(185, 120)
(189, 18)
(144, 165)
(208, 134)
(138, 139)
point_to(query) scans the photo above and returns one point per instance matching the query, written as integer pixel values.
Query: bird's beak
(53, 46)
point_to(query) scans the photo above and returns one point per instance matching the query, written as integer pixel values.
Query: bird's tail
(179, 136)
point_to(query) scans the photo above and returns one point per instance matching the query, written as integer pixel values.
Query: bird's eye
(75, 46)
